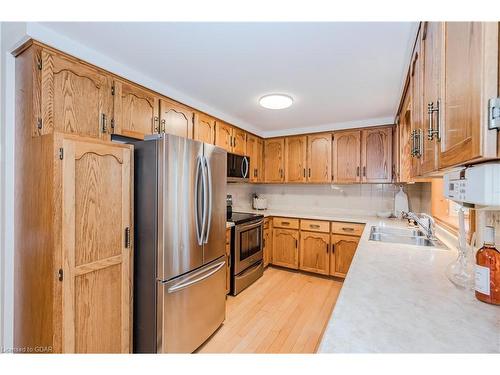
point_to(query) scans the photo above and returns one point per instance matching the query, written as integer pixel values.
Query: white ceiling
(339, 74)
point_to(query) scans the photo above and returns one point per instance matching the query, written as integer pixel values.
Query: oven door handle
(246, 226)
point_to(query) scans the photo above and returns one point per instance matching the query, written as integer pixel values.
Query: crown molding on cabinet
(380, 121)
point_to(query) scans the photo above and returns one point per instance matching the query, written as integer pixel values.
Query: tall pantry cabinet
(73, 209)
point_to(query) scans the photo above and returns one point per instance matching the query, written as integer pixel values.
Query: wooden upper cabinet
(319, 158)
(135, 110)
(405, 143)
(471, 76)
(376, 155)
(96, 212)
(224, 135)
(286, 248)
(315, 252)
(274, 160)
(417, 132)
(295, 159)
(346, 156)
(431, 47)
(254, 150)
(344, 248)
(239, 141)
(204, 128)
(75, 98)
(260, 160)
(176, 119)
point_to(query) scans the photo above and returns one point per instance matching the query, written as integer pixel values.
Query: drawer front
(351, 229)
(267, 223)
(285, 222)
(315, 226)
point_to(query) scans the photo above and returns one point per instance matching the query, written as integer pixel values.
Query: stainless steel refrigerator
(179, 262)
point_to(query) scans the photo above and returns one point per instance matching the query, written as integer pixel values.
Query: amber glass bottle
(487, 270)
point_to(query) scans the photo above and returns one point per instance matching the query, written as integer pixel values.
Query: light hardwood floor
(283, 312)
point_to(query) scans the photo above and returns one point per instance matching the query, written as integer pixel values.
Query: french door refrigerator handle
(183, 285)
(199, 228)
(208, 208)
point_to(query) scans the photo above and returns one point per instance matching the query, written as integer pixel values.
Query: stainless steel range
(246, 249)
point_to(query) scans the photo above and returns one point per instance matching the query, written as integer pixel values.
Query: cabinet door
(319, 158)
(176, 119)
(239, 141)
(135, 110)
(254, 152)
(346, 157)
(75, 98)
(343, 251)
(471, 73)
(204, 128)
(376, 155)
(315, 252)
(273, 160)
(417, 110)
(405, 141)
(286, 248)
(268, 246)
(295, 159)
(259, 155)
(96, 193)
(431, 53)
(224, 135)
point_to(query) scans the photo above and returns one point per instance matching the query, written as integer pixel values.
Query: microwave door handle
(244, 167)
(199, 229)
(208, 179)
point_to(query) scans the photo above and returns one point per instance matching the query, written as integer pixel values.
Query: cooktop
(243, 217)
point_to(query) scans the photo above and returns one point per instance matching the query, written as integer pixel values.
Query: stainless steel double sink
(406, 236)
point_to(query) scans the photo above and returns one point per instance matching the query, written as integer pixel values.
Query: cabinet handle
(285, 223)
(357, 171)
(314, 225)
(364, 171)
(309, 172)
(156, 129)
(430, 111)
(333, 248)
(296, 244)
(304, 172)
(104, 126)
(327, 248)
(347, 229)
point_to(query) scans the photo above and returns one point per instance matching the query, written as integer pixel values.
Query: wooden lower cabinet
(286, 248)
(343, 249)
(315, 252)
(268, 241)
(73, 258)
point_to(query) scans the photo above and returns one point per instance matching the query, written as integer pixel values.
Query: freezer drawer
(191, 308)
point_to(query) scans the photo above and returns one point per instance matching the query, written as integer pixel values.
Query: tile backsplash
(350, 199)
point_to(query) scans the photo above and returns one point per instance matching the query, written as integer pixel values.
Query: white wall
(348, 199)
(11, 34)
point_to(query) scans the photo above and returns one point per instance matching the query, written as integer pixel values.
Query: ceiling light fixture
(276, 101)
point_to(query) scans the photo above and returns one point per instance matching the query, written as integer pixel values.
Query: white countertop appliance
(474, 186)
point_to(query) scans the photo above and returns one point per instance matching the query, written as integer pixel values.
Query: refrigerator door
(191, 308)
(214, 238)
(180, 200)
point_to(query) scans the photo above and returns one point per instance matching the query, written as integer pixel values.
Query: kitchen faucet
(425, 221)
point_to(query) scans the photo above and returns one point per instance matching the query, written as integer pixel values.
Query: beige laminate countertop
(396, 299)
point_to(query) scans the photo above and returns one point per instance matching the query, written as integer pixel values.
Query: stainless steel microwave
(238, 168)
